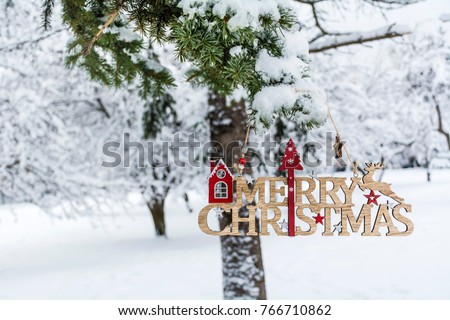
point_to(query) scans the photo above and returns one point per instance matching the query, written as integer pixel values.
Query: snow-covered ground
(120, 258)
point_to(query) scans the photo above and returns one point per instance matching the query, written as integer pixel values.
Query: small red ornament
(242, 161)
(372, 198)
(319, 219)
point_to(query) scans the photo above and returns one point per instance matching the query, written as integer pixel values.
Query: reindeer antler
(373, 166)
(379, 165)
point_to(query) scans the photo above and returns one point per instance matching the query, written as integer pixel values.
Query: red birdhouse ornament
(220, 183)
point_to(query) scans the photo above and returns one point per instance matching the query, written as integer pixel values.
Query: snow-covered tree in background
(55, 122)
(161, 171)
(397, 104)
(427, 78)
(46, 157)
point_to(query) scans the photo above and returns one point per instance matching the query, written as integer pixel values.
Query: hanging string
(242, 161)
(353, 164)
(244, 150)
(246, 135)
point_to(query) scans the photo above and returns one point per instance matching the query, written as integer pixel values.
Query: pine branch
(47, 11)
(391, 31)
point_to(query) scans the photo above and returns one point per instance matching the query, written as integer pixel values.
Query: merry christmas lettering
(334, 200)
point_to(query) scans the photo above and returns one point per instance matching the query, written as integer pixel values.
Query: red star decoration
(372, 198)
(319, 219)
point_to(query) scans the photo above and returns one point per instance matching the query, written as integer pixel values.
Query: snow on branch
(390, 3)
(347, 39)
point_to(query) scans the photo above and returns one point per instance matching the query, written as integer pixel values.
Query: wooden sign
(314, 204)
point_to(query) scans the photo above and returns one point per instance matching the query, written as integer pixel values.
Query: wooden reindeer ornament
(369, 183)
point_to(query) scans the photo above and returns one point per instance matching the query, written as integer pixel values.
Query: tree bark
(242, 265)
(157, 210)
(344, 40)
(440, 123)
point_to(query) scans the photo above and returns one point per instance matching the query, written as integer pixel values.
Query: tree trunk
(242, 266)
(440, 123)
(157, 210)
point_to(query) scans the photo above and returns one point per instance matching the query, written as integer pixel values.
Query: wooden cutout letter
(203, 220)
(251, 220)
(265, 221)
(308, 192)
(327, 222)
(242, 189)
(277, 186)
(332, 193)
(408, 223)
(383, 212)
(308, 220)
(355, 224)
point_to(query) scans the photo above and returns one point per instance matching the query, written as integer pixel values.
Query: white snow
(236, 51)
(277, 68)
(274, 97)
(242, 13)
(125, 33)
(120, 258)
(293, 86)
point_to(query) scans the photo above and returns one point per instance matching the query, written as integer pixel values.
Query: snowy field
(120, 258)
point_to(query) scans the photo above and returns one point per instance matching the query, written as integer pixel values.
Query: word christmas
(310, 201)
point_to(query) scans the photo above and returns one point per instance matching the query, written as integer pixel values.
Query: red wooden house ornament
(220, 183)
